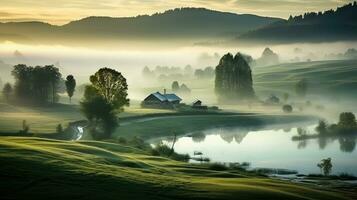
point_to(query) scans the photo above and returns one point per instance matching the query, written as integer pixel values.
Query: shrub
(325, 166)
(165, 151)
(287, 108)
(122, 140)
(218, 167)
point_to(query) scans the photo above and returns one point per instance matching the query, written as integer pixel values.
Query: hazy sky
(62, 11)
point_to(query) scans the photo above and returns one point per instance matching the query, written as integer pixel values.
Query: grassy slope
(36, 168)
(45, 119)
(40, 120)
(323, 76)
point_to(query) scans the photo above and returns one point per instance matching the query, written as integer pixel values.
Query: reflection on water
(347, 142)
(272, 148)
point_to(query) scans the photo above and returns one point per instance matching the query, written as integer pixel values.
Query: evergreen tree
(70, 86)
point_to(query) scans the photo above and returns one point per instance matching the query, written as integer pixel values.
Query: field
(324, 77)
(45, 119)
(49, 169)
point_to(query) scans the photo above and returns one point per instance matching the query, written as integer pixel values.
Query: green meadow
(91, 169)
(324, 77)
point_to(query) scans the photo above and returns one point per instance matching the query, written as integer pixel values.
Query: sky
(62, 11)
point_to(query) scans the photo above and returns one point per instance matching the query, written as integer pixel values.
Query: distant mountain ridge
(331, 25)
(195, 23)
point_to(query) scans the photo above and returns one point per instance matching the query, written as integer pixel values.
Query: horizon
(21, 11)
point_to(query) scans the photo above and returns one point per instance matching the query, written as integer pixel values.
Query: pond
(271, 148)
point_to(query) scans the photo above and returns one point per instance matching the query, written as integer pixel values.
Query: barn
(159, 100)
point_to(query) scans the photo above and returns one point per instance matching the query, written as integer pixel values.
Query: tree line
(37, 85)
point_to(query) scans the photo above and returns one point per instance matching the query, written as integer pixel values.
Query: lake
(271, 148)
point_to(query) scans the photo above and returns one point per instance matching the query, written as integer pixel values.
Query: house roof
(166, 97)
(197, 101)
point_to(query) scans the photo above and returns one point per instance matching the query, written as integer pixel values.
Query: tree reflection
(237, 135)
(347, 141)
(198, 137)
(347, 144)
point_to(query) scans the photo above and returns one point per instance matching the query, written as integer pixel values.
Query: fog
(82, 62)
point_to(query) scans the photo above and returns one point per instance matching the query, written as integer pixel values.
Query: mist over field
(84, 61)
(185, 103)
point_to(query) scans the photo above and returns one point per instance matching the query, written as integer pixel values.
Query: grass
(45, 119)
(35, 168)
(326, 77)
(180, 124)
(40, 119)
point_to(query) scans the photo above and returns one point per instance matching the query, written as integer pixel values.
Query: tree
(347, 120)
(147, 73)
(175, 86)
(322, 127)
(233, 78)
(287, 108)
(301, 88)
(100, 114)
(112, 86)
(7, 90)
(325, 166)
(103, 99)
(70, 86)
(36, 84)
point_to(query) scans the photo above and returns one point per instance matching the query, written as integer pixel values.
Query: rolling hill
(331, 25)
(171, 25)
(338, 77)
(34, 168)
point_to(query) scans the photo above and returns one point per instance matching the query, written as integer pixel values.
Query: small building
(198, 105)
(159, 100)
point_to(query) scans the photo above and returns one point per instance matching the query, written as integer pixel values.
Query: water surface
(271, 148)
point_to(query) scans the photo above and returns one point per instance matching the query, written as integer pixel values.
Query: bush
(287, 108)
(165, 151)
(322, 127)
(218, 167)
(122, 140)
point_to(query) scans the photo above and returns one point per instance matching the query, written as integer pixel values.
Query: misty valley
(187, 103)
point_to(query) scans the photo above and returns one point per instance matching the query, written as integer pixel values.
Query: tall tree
(175, 86)
(70, 86)
(7, 90)
(36, 84)
(103, 99)
(233, 78)
(54, 77)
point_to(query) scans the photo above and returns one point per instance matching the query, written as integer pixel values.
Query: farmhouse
(198, 105)
(159, 100)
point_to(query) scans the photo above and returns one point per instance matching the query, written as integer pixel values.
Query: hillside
(331, 25)
(337, 77)
(34, 168)
(184, 23)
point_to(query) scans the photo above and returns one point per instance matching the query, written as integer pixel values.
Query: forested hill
(172, 24)
(331, 25)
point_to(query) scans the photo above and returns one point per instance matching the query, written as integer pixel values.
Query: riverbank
(160, 125)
